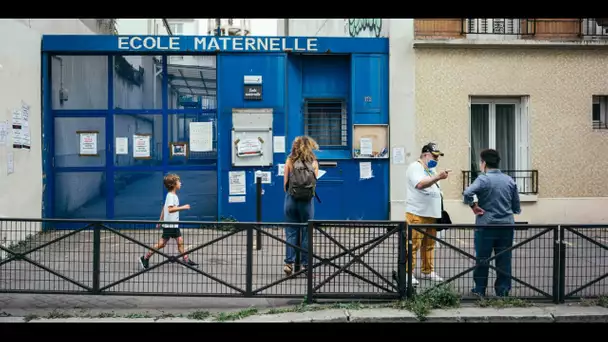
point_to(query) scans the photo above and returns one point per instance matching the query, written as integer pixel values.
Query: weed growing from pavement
(440, 297)
(199, 315)
(501, 303)
(600, 301)
(233, 316)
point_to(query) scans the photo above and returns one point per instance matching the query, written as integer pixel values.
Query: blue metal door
(120, 124)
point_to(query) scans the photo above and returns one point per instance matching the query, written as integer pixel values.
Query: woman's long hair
(302, 149)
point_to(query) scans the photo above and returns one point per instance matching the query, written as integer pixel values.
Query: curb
(550, 314)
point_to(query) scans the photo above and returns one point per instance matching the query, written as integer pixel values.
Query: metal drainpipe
(286, 26)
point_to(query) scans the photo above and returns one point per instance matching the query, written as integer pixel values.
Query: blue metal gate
(120, 123)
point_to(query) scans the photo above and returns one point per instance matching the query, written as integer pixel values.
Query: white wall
(20, 77)
(335, 27)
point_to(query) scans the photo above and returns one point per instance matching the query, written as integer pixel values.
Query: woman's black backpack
(302, 181)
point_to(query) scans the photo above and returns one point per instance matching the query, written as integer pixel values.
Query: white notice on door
(141, 146)
(88, 143)
(365, 170)
(122, 145)
(237, 183)
(201, 136)
(279, 144)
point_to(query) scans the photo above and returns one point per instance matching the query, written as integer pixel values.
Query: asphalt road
(224, 264)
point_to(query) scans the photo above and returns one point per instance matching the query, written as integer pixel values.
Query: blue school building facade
(121, 112)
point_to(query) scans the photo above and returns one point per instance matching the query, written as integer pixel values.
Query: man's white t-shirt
(425, 202)
(171, 200)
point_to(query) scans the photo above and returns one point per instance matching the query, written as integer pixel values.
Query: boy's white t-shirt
(425, 202)
(171, 200)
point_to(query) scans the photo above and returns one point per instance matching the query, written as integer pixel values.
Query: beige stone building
(534, 89)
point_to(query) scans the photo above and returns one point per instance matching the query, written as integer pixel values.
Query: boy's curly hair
(170, 181)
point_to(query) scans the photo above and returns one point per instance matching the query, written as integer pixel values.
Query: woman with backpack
(300, 180)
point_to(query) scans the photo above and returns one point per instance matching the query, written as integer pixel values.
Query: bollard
(258, 212)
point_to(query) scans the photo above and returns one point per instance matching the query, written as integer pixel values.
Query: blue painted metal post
(110, 141)
(48, 172)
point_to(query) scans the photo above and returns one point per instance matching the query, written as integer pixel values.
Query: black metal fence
(347, 259)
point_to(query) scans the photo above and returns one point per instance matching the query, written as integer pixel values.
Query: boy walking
(170, 213)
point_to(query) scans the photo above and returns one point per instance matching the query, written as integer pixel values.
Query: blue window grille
(326, 121)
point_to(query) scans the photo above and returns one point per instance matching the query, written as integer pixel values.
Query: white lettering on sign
(211, 43)
(148, 43)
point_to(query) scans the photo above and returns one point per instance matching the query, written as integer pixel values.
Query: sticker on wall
(398, 155)
(122, 145)
(265, 176)
(10, 163)
(236, 199)
(280, 169)
(141, 146)
(279, 144)
(88, 143)
(201, 136)
(237, 185)
(4, 133)
(365, 170)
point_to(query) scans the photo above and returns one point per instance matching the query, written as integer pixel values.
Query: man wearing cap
(423, 206)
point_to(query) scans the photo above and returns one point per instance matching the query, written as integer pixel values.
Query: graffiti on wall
(364, 27)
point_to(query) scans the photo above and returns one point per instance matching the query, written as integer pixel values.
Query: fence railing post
(310, 262)
(258, 211)
(298, 260)
(408, 251)
(556, 264)
(562, 265)
(249, 263)
(401, 263)
(96, 258)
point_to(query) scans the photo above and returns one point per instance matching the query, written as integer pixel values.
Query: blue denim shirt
(497, 195)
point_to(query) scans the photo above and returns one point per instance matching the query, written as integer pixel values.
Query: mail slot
(328, 164)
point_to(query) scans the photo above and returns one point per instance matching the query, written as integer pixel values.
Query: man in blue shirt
(498, 201)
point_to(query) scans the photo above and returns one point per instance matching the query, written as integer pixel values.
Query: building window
(600, 112)
(177, 28)
(502, 124)
(326, 122)
(495, 26)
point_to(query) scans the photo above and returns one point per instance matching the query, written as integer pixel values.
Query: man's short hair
(491, 157)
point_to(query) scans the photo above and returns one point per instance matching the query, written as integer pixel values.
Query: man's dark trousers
(487, 240)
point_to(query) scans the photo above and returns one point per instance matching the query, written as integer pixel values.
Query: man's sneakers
(415, 281)
(431, 276)
(145, 263)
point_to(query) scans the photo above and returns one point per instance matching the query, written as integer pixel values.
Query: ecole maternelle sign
(211, 43)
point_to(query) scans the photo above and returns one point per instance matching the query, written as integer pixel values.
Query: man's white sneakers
(431, 276)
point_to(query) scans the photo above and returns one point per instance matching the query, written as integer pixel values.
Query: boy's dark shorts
(171, 233)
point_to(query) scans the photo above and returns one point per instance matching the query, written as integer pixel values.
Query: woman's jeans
(297, 212)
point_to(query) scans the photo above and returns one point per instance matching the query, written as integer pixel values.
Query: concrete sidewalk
(544, 314)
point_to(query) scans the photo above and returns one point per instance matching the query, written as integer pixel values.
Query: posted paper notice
(366, 147)
(279, 144)
(141, 146)
(122, 145)
(237, 185)
(88, 143)
(398, 155)
(201, 136)
(365, 170)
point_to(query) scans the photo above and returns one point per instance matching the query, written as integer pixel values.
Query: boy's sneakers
(145, 263)
(190, 263)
